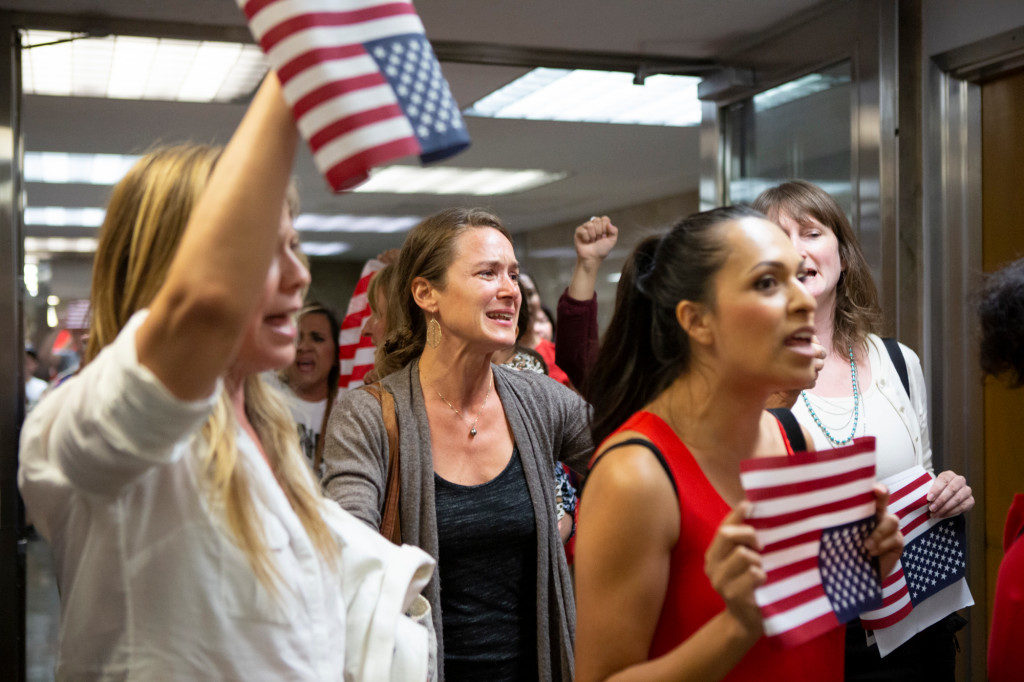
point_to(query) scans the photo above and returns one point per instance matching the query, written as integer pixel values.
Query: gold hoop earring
(433, 333)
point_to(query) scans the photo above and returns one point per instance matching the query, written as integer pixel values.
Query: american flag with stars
(929, 581)
(362, 80)
(812, 513)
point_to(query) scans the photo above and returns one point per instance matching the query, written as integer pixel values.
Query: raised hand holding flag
(362, 81)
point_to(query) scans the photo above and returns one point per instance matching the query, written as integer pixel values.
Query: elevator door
(1002, 116)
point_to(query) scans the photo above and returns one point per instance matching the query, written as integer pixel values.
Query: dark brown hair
(644, 348)
(857, 313)
(428, 252)
(1001, 313)
(317, 308)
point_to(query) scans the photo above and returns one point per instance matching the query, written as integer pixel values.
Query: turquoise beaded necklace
(856, 408)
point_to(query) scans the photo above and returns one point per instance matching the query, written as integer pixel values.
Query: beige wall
(547, 254)
(333, 283)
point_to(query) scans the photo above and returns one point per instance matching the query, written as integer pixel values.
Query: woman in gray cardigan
(477, 443)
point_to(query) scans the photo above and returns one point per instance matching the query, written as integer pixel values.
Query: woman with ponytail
(189, 536)
(709, 321)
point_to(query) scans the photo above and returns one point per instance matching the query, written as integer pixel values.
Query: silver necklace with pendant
(471, 425)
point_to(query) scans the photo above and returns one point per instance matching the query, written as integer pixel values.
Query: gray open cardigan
(549, 422)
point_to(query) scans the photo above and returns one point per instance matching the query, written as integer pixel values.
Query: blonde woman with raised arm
(189, 536)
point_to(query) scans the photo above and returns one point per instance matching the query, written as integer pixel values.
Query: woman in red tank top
(709, 321)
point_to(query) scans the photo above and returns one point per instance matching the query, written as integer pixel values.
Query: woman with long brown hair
(190, 538)
(477, 443)
(863, 390)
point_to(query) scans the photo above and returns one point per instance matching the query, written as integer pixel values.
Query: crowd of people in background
(216, 505)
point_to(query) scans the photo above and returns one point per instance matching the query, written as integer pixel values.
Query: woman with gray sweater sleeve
(477, 442)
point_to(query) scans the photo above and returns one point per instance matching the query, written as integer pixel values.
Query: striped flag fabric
(362, 80)
(355, 351)
(812, 513)
(929, 581)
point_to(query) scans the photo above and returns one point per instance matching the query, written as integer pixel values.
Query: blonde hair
(146, 216)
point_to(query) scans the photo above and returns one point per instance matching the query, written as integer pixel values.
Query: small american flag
(355, 351)
(812, 512)
(928, 583)
(362, 81)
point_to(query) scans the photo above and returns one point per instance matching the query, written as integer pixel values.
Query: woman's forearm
(709, 654)
(216, 278)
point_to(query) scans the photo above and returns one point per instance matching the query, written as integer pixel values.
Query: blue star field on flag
(408, 63)
(936, 559)
(847, 572)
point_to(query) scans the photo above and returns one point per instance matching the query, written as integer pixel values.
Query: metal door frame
(869, 34)
(12, 356)
(953, 268)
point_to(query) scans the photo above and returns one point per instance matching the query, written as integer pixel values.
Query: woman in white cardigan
(190, 539)
(859, 392)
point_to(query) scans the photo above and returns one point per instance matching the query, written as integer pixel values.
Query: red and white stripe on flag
(355, 351)
(353, 113)
(796, 500)
(898, 619)
(908, 500)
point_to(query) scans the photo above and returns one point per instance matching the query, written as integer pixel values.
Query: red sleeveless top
(691, 601)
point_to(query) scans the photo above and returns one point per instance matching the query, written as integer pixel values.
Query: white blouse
(152, 584)
(898, 421)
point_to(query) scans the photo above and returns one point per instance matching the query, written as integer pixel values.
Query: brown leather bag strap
(390, 520)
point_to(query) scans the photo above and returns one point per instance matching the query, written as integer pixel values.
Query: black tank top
(487, 565)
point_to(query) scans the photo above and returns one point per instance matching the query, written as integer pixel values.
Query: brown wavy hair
(857, 313)
(428, 252)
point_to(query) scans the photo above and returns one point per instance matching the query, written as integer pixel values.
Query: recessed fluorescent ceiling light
(450, 180)
(797, 89)
(311, 222)
(108, 169)
(131, 67)
(60, 216)
(90, 169)
(324, 248)
(594, 96)
(35, 245)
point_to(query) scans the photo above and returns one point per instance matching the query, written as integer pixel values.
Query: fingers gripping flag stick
(812, 513)
(362, 81)
(928, 583)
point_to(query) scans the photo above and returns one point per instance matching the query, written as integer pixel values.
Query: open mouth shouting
(502, 316)
(800, 341)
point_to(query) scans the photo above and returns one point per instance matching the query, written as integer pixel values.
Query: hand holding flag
(362, 81)
(928, 582)
(733, 566)
(886, 541)
(812, 514)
